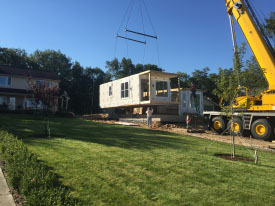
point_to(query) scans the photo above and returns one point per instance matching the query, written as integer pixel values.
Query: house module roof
(159, 73)
(28, 73)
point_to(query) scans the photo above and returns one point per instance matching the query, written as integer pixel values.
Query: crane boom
(262, 51)
(254, 114)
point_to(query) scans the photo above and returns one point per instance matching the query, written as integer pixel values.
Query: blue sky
(191, 34)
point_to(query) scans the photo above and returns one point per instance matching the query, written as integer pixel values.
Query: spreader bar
(127, 30)
(142, 42)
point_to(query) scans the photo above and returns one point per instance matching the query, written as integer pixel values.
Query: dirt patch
(236, 158)
(18, 199)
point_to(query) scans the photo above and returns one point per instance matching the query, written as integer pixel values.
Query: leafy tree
(202, 80)
(229, 79)
(253, 77)
(270, 25)
(185, 81)
(117, 70)
(16, 58)
(139, 68)
(152, 67)
(54, 61)
(114, 68)
(224, 87)
(78, 89)
(51, 60)
(95, 77)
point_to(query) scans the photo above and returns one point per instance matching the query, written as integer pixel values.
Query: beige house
(15, 93)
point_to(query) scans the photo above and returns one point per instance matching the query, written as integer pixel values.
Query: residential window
(5, 80)
(110, 91)
(3, 100)
(42, 83)
(29, 103)
(162, 89)
(124, 90)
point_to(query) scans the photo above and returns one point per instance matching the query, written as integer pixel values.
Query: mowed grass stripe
(116, 165)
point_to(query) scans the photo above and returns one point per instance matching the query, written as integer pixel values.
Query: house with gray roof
(15, 93)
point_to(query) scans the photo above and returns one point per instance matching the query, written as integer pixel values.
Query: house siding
(19, 88)
(115, 100)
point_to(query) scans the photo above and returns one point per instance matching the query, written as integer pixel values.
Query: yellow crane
(255, 114)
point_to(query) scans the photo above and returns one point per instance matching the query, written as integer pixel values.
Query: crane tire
(218, 124)
(261, 129)
(238, 130)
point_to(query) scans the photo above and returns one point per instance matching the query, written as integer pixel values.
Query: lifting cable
(152, 26)
(234, 40)
(123, 19)
(143, 33)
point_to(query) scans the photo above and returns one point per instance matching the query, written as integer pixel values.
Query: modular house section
(145, 88)
(150, 88)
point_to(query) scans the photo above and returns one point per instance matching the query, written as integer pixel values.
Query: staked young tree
(46, 96)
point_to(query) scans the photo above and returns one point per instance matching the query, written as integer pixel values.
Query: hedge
(34, 180)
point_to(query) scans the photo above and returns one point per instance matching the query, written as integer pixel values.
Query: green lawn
(116, 165)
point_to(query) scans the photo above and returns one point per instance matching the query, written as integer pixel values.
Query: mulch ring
(237, 158)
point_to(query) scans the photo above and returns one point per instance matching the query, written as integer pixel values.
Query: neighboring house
(15, 93)
(150, 88)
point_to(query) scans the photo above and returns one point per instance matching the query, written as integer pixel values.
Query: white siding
(115, 100)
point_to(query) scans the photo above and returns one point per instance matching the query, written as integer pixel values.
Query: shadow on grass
(29, 129)
(44, 136)
(129, 137)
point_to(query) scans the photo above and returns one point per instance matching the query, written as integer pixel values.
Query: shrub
(34, 180)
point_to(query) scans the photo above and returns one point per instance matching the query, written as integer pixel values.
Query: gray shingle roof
(28, 73)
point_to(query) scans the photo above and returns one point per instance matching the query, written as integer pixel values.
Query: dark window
(161, 89)
(124, 90)
(43, 83)
(110, 91)
(5, 80)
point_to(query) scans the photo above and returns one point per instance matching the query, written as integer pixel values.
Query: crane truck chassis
(259, 124)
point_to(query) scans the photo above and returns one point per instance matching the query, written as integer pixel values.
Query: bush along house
(15, 93)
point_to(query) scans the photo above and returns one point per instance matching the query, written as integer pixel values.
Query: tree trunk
(47, 123)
